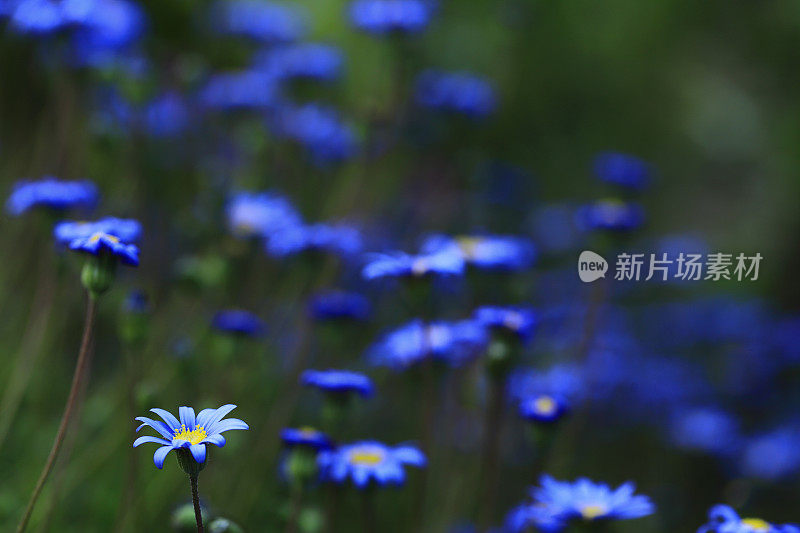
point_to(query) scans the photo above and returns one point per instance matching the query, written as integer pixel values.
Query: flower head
(456, 92)
(382, 17)
(319, 129)
(306, 61)
(587, 501)
(526, 516)
(723, 519)
(518, 321)
(368, 462)
(260, 214)
(190, 432)
(104, 244)
(266, 22)
(53, 194)
(305, 436)
(337, 239)
(705, 429)
(621, 169)
(166, 116)
(488, 252)
(125, 229)
(611, 215)
(338, 381)
(238, 322)
(236, 91)
(445, 262)
(543, 408)
(333, 305)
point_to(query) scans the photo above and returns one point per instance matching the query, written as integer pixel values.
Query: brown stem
(198, 514)
(66, 418)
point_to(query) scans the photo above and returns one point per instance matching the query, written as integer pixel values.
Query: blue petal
(216, 439)
(204, 416)
(168, 417)
(198, 452)
(361, 476)
(409, 455)
(187, 417)
(161, 427)
(160, 455)
(148, 438)
(227, 425)
(216, 417)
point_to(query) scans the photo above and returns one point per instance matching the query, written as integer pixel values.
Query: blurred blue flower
(37, 16)
(51, 193)
(333, 305)
(587, 501)
(772, 456)
(136, 302)
(310, 61)
(166, 116)
(338, 381)
(562, 381)
(444, 262)
(705, 429)
(97, 23)
(723, 519)
(261, 21)
(260, 214)
(543, 408)
(243, 90)
(190, 432)
(100, 243)
(337, 239)
(456, 92)
(238, 322)
(519, 321)
(532, 517)
(451, 342)
(127, 230)
(369, 461)
(621, 169)
(390, 16)
(611, 215)
(318, 129)
(305, 436)
(489, 252)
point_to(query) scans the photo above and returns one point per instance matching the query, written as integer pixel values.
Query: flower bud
(98, 273)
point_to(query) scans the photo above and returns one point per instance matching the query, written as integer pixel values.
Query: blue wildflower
(334, 305)
(103, 244)
(260, 214)
(245, 90)
(136, 303)
(36, 16)
(543, 408)
(525, 517)
(338, 381)
(166, 116)
(369, 462)
(456, 92)
(489, 252)
(587, 501)
(611, 215)
(452, 342)
(318, 129)
(563, 381)
(444, 262)
(189, 432)
(382, 17)
(705, 429)
(723, 519)
(261, 21)
(773, 455)
(52, 193)
(519, 321)
(338, 239)
(106, 24)
(306, 436)
(125, 229)
(303, 61)
(621, 169)
(238, 322)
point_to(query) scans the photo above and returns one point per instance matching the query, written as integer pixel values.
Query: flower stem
(368, 501)
(198, 514)
(490, 453)
(69, 410)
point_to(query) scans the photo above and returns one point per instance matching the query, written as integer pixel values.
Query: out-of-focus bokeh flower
(773, 455)
(238, 322)
(705, 429)
(166, 116)
(456, 92)
(302, 61)
(102, 244)
(444, 262)
(536, 517)
(53, 194)
(383, 17)
(127, 230)
(338, 382)
(543, 408)
(487, 252)
(337, 239)
(518, 321)
(611, 215)
(236, 91)
(622, 169)
(318, 129)
(334, 305)
(260, 214)
(265, 22)
(305, 436)
(369, 462)
(723, 519)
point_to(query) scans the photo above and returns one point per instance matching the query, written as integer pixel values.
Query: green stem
(69, 410)
(198, 514)
(368, 510)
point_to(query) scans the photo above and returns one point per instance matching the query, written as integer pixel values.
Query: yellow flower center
(468, 245)
(592, 511)
(99, 235)
(308, 432)
(545, 405)
(194, 436)
(756, 524)
(368, 457)
(513, 320)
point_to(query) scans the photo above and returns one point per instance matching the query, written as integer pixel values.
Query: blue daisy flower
(566, 382)
(527, 517)
(451, 342)
(610, 215)
(456, 92)
(100, 243)
(125, 229)
(190, 432)
(318, 129)
(36, 17)
(260, 214)
(238, 322)
(53, 194)
(621, 169)
(723, 519)
(335, 305)
(166, 116)
(446, 261)
(773, 455)
(488, 252)
(705, 429)
(369, 462)
(382, 17)
(587, 501)
(519, 321)
(302, 61)
(338, 381)
(337, 239)
(235, 91)
(306, 436)
(543, 408)
(266, 22)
